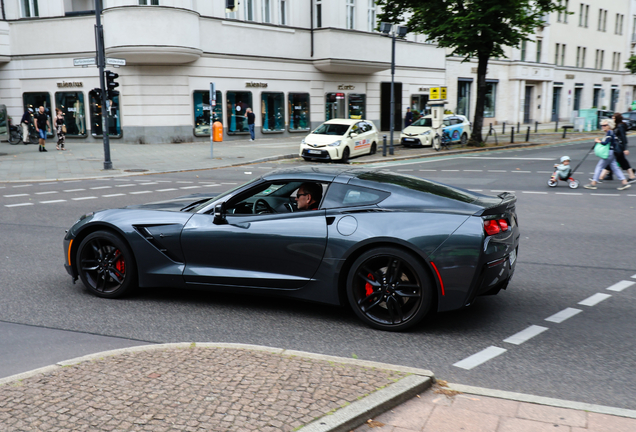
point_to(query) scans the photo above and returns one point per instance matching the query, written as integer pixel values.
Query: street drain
(136, 170)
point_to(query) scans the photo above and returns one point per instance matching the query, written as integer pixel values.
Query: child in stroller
(563, 172)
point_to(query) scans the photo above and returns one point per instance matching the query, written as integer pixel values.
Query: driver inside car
(309, 196)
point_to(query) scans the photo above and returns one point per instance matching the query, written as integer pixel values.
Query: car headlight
(335, 144)
(302, 142)
(426, 133)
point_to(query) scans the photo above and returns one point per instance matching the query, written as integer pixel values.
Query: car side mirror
(353, 134)
(219, 214)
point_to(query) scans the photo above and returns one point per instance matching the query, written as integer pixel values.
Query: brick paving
(191, 389)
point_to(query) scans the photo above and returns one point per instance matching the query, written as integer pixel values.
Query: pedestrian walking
(621, 149)
(610, 161)
(250, 122)
(60, 129)
(408, 118)
(27, 120)
(42, 125)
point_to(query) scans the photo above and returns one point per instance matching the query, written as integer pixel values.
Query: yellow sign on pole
(442, 93)
(437, 93)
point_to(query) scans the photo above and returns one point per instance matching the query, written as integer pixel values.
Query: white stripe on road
(19, 186)
(481, 357)
(471, 170)
(404, 170)
(52, 201)
(521, 171)
(18, 205)
(139, 192)
(74, 190)
(428, 170)
(189, 187)
(187, 182)
(497, 171)
(620, 286)
(605, 194)
(45, 193)
(566, 313)
(450, 170)
(500, 191)
(476, 190)
(524, 335)
(211, 185)
(112, 195)
(595, 299)
(531, 192)
(126, 185)
(15, 195)
(568, 193)
(505, 158)
(149, 183)
(101, 187)
(634, 276)
(84, 198)
(167, 190)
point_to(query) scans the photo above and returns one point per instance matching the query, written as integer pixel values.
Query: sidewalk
(20, 163)
(232, 387)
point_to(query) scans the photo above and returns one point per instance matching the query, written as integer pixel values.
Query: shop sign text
(70, 84)
(346, 87)
(255, 84)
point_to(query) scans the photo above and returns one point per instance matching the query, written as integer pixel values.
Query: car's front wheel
(388, 289)
(345, 155)
(374, 149)
(106, 265)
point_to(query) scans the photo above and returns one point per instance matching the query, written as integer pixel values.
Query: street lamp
(393, 31)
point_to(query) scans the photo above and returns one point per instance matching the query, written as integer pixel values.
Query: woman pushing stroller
(608, 162)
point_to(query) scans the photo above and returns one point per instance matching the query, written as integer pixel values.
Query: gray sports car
(393, 247)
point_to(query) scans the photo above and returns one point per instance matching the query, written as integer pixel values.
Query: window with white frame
(149, 2)
(618, 27)
(616, 61)
(539, 48)
(602, 20)
(524, 47)
(351, 13)
(29, 8)
(578, 56)
(318, 16)
(249, 10)
(583, 57)
(565, 15)
(371, 16)
(556, 54)
(584, 12)
(563, 55)
(267, 11)
(598, 61)
(282, 9)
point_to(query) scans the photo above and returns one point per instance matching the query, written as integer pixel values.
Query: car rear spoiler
(508, 201)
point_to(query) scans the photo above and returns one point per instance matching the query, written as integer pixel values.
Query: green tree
(472, 28)
(631, 64)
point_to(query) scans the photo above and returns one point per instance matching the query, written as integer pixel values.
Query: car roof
(344, 121)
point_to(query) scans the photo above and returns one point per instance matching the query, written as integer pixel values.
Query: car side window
(343, 195)
(447, 122)
(356, 128)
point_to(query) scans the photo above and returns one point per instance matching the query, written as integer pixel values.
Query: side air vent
(166, 238)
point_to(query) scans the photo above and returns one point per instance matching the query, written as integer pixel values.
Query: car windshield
(207, 202)
(424, 121)
(421, 185)
(331, 129)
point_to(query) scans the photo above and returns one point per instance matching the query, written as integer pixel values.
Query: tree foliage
(631, 64)
(472, 28)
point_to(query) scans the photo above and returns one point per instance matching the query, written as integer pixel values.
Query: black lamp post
(393, 31)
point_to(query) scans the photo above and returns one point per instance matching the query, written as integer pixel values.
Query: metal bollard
(383, 145)
(512, 134)
(536, 126)
(518, 128)
(556, 126)
(528, 134)
(503, 128)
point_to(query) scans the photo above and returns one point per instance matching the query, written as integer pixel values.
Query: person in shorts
(42, 125)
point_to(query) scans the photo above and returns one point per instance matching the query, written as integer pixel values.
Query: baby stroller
(572, 183)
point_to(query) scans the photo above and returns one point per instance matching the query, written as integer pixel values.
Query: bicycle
(442, 142)
(15, 134)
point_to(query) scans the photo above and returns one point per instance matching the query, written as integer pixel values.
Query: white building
(295, 63)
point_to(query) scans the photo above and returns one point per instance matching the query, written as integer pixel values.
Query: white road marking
(471, 170)
(211, 185)
(524, 335)
(21, 186)
(595, 299)
(404, 170)
(126, 185)
(74, 190)
(532, 192)
(189, 187)
(620, 286)
(149, 183)
(45, 193)
(481, 357)
(497, 171)
(229, 183)
(500, 191)
(505, 158)
(71, 181)
(18, 205)
(476, 190)
(52, 201)
(568, 193)
(634, 276)
(566, 313)
(248, 172)
(46, 184)
(450, 170)
(183, 181)
(167, 190)
(112, 195)
(84, 198)
(545, 172)
(599, 194)
(101, 187)
(521, 171)
(428, 170)
(139, 192)
(15, 195)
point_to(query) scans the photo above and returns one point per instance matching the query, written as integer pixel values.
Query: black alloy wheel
(374, 149)
(388, 289)
(464, 139)
(345, 155)
(106, 265)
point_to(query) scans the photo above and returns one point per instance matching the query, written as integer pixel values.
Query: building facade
(296, 63)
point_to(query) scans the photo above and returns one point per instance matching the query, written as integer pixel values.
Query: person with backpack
(621, 149)
(605, 149)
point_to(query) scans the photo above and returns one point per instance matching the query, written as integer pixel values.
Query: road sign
(86, 61)
(437, 93)
(115, 61)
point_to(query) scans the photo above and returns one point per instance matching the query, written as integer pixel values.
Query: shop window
(491, 99)
(463, 98)
(237, 103)
(419, 103)
(273, 112)
(72, 105)
(299, 112)
(357, 106)
(201, 104)
(35, 101)
(114, 118)
(334, 106)
(29, 8)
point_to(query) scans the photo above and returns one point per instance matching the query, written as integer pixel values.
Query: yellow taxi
(340, 139)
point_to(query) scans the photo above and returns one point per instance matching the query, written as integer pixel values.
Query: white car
(340, 139)
(420, 132)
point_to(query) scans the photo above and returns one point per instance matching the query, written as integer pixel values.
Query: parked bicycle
(15, 134)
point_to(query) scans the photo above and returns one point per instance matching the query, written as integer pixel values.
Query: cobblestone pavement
(186, 389)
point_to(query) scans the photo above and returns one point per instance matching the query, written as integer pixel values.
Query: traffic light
(98, 94)
(111, 93)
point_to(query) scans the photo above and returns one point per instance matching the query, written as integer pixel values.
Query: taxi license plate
(313, 151)
(513, 257)
(410, 139)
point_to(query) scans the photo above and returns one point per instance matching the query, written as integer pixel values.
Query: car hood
(319, 139)
(415, 130)
(176, 204)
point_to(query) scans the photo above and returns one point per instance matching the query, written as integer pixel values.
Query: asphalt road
(575, 244)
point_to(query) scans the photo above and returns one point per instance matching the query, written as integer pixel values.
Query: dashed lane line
(101, 187)
(594, 299)
(568, 193)
(524, 335)
(113, 195)
(126, 185)
(74, 190)
(189, 187)
(52, 201)
(566, 313)
(45, 193)
(534, 192)
(140, 192)
(18, 205)
(167, 190)
(620, 286)
(481, 357)
(15, 195)
(84, 198)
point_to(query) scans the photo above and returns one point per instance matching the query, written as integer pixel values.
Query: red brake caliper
(120, 265)
(368, 287)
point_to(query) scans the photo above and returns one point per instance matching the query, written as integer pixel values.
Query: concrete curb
(539, 400)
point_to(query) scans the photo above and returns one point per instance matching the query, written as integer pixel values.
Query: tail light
(495, 226)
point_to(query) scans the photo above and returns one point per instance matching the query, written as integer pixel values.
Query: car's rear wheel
(106, 265)
(388, 289)
(345, 155)
(464, 139)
